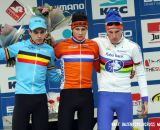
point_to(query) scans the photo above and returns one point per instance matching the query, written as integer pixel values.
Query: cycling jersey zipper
(80, 67)
(34, 73)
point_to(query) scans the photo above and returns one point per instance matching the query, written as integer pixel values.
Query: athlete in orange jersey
(77, 55)
(77, 60)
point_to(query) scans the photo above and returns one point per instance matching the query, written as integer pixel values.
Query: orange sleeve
(96, 62)
(58, 49)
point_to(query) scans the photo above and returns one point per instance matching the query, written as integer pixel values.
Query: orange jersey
(77, 62)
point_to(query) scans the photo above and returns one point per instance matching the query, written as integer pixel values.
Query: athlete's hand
(145, 109)
(133, 72)
(50, 40)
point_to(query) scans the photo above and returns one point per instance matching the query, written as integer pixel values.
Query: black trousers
(34, 105)
(72, 100)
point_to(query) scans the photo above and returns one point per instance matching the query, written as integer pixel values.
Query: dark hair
(79, 16)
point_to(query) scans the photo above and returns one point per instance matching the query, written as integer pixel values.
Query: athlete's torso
(116, 65)
(31, 66)
(77, 61)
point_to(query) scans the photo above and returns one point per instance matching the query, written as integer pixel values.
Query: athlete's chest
(115, 52)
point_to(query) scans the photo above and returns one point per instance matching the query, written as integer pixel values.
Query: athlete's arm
(10, 51)
(141, 77)
(52, 73)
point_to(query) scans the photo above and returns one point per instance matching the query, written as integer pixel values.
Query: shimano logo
(68, 7)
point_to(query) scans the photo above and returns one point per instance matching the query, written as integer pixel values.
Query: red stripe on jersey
(32, 62)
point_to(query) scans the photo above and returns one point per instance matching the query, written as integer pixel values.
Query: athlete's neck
(33, 42)
(118, 41)
(78, 41)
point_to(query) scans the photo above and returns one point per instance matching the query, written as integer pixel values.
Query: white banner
(150, 33)
(100, 7)
(154, 99)
(7, 79)
(152, 65)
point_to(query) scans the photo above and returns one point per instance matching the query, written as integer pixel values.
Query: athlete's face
(38, 35)
(114, 35)
(79, 32)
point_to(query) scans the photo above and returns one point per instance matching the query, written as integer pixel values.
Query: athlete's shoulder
(22, 43)
(69, 40)
(90, 41)
(48, 46)
(19, 45)
(130, 43)
(64, 42)
(101, 41)
(97, 39)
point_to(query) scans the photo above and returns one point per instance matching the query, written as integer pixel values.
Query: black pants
(72, 100)
(27, 105)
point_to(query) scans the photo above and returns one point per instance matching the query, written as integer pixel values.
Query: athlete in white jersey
(118, 55)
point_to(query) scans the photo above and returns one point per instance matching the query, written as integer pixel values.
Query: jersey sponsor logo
(74, 46)
(16, 11)
(85, 45)
(122, 51)
(113, 65)
(114, 55)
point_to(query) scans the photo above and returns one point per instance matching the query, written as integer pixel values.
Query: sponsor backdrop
(141, 24)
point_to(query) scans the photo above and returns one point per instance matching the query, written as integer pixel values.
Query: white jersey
(116, 62)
